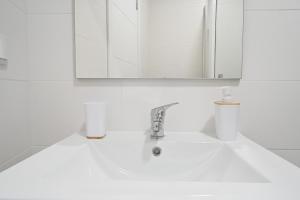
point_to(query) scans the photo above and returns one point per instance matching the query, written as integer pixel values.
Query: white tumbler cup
(95, 114)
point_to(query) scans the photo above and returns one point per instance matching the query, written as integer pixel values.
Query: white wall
(269, 91)
(14, 85)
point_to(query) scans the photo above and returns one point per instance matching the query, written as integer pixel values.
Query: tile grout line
(272, 10)
(16, 80)
(280, 149)
(45, 146)
(185, 80)
(244, 80)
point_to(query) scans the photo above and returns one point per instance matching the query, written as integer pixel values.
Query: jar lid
(227, 103)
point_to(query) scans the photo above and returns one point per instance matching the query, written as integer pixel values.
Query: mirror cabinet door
(123, 39)
(229, 39)
(184, 39)
(91, 39)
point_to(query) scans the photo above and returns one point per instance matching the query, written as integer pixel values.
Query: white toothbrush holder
(95, 115)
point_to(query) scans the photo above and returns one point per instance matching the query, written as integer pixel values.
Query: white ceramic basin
(184, 157)
(121, 166)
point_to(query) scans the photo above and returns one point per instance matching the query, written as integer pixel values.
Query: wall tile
(15, 159)
(272, 4)
(36, 149)
(101, 90)
(57, 109)
(196, 108)
(194, 111)
(49, 6)
(272, 45)
(52, 112)
(137, 102)
(292, 156)
(14, 129)
(13, 27)
(51, 47)
(270, 113)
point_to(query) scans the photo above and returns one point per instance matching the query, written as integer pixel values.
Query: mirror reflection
(186, 39)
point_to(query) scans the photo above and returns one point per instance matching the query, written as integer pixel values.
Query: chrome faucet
(158, 119)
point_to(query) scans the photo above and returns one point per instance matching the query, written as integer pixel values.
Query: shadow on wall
(82, 130)
(210, 128)
(3, 66)
(155, 82)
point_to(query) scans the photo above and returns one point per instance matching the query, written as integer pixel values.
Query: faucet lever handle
(165, 107)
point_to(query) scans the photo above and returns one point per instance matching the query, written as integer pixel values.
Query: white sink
(184, 157)
(191, 166)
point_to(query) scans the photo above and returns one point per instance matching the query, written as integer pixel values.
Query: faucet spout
(157, 120)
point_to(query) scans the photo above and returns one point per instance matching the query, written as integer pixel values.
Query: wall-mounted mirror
(188, 39)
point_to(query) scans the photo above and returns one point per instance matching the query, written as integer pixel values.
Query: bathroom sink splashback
(181, 157)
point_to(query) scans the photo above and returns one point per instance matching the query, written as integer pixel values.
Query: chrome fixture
(158, 119)
(156, 151)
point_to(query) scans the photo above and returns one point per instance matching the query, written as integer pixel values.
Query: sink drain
(156, 151)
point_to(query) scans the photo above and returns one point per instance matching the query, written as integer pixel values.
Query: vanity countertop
(69, 170)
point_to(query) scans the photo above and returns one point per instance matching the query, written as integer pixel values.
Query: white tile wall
(269, 113)
(57, 108)
(14, 86)
(193, 112)
(51, 46)
(272, 4)
(13, 26)
(291, 155)
(272, 45)
(36, 149)
(16, 159)
(269, 90)
(13, 114)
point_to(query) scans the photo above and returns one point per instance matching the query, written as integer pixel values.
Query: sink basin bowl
(183, 157)
(191, 165)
